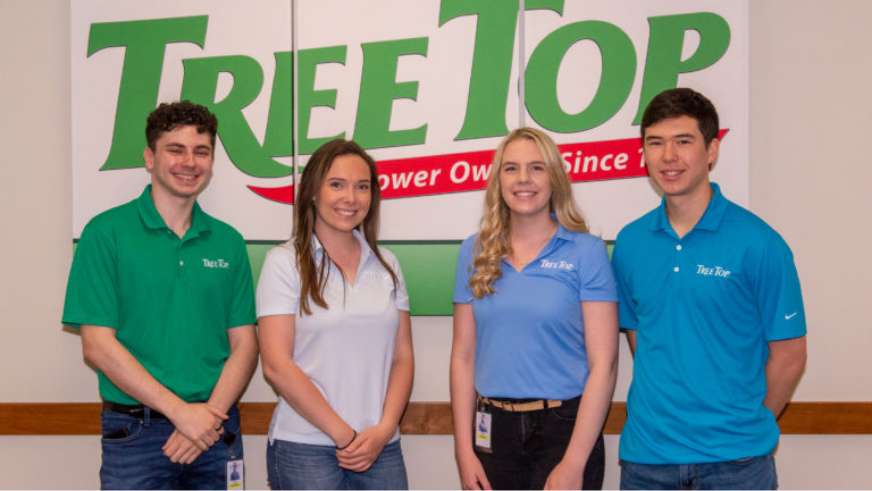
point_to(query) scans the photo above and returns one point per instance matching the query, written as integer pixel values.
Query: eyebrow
(680, 135)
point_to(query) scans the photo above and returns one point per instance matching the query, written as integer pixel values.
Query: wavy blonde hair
(493, 242)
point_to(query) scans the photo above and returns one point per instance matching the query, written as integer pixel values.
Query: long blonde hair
(493, 242)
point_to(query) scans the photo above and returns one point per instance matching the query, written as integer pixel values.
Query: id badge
(235, 474)
(483, 431)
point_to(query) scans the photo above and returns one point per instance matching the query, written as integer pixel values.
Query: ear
(148, 156)
(713, 150)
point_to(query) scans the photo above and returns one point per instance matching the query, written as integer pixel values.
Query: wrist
(349, 441)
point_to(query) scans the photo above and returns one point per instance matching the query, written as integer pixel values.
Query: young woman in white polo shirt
(335, 336)
(534, 355)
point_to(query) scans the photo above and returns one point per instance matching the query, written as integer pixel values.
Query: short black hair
(682, 101)
(169, 116)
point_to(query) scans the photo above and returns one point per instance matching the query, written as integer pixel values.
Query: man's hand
(199, 422)
(365, 449)
(180, 449)
(565, 476)
(472, 474)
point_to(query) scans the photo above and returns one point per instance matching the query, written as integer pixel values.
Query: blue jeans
(133, 459)
(749, 473)
(528, 445)
(293, 465)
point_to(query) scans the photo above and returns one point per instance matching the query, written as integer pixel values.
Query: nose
(669, 151)
(523, 174)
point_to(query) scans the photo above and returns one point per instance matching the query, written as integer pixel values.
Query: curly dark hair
(169, 116)
(674, 103)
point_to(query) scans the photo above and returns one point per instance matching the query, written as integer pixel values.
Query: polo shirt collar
(152, 219)
(365, 251)
(711, 218)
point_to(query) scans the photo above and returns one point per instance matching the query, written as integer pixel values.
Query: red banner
(469, 171)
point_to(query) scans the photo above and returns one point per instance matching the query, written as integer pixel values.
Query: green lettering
(199, 85)
(308, 97)
(618, 69)
(278, 141)
(491, 60)
(379, 89)
(145, 43)
(665, 44)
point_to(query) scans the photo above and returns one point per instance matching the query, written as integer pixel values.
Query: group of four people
(708, 293)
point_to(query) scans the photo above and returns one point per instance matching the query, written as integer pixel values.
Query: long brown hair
(493, 239)
(313, 278)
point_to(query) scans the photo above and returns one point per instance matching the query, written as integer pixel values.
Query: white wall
(811, 71)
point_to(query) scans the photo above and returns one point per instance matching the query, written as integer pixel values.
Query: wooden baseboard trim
(421, 418)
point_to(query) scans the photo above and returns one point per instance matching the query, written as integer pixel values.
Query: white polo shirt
(346, 350)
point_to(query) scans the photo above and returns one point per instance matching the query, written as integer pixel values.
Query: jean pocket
(120, 430)
(568, 411)
(744, 461)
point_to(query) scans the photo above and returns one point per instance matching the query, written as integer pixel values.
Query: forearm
(294, 386)
(103, 351)
(400, 378)
(782, 377)
(238, 369)
(462, 402)
(592, 411)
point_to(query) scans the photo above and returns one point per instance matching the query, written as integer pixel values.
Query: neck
(334, 241)
(685, 211)
(535, 228)
(175, 211)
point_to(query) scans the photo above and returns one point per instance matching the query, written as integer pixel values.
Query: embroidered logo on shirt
(546, 264)
(215, 263)
(718, 271)
(787, 317)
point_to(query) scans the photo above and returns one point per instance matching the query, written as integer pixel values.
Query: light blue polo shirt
(530, 332)
(704, 308)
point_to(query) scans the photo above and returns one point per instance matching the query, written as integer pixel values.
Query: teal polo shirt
(704, 308)
(170, 300)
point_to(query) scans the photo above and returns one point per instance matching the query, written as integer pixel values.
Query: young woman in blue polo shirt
(335, 337)
(534, 355)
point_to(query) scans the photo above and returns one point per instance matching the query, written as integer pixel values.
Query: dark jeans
(527, 446)
(133, 459)
(293, 465)
(749, 473)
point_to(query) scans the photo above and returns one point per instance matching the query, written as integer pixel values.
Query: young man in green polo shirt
(710, 299)
(162, 295)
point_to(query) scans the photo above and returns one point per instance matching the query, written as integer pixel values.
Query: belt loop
(146, 415)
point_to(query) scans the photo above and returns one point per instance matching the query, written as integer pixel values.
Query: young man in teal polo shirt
(711, 303)
(162, 295)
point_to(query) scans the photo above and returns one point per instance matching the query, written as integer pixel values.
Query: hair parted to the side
(170, 115)
(674, 103)
(493, 242)
(313, 278)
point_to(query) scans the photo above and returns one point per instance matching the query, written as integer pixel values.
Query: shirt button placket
(678, 248)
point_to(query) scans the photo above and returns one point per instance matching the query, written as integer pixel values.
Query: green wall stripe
(428, 267)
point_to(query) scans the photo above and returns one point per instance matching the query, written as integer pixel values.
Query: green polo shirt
(170, 300)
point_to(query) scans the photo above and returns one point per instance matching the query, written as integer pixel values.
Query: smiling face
(343, 200)
(181, 162)
(525, 182)
(678, 158)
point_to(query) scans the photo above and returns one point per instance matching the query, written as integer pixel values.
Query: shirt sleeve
(626, 310)
(779, 297)
(278, 289)
(596, 279)
(242, 297)
(92, 289)
(401, 294)
(463, 272)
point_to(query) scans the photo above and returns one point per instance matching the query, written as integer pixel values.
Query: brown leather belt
(520, 406)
